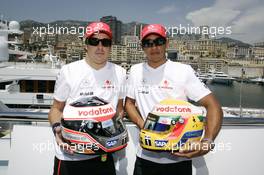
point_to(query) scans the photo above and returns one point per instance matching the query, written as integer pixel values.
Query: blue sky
(245, 16)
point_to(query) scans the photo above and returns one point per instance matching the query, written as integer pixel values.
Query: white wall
(239, 151)
(235, 71)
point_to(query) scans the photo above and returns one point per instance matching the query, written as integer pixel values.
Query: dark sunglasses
(95, 42)
(150, 43)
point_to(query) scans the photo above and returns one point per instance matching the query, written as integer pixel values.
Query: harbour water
(229, 96)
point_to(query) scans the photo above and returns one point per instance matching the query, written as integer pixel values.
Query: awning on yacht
(11, 78)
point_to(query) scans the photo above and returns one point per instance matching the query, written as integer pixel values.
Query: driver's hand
(61, 142)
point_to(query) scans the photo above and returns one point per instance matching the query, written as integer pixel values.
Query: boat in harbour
(259, 80)
(220, 77)
(204, 78)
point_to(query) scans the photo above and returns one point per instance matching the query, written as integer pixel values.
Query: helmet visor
(157, 123)
(86, 102)
(107, 128)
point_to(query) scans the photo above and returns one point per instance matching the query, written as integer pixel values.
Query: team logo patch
(108, 84)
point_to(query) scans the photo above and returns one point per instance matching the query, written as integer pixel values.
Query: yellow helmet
(171, 124)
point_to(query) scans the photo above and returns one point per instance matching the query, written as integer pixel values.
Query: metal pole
(240, 98)
(240, 91)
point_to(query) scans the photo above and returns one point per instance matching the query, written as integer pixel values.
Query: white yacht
(204, 78)
(220, 77)
(258, 80)
(25, 84)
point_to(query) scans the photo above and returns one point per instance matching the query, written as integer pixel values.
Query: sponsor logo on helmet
(172, 109)
(79, 142)
(88, 112)
(74, 136)
(192, 134)
(98, 111)
(111, 143)
(160, 143)
(188, 135)
(164, 120)
(148, 140)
